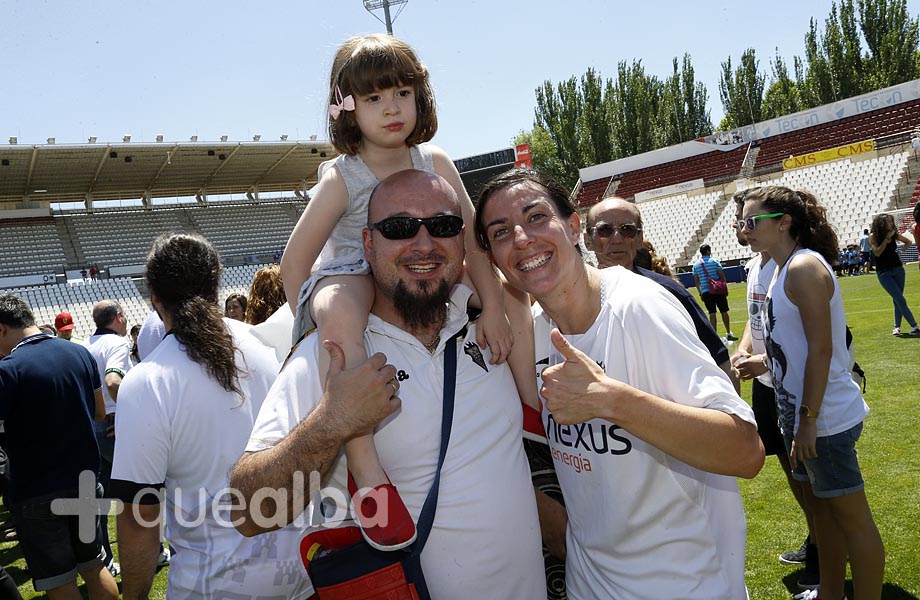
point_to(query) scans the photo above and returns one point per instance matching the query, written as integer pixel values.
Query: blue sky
(208, 68)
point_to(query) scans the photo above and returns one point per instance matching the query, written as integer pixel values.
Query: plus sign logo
(86, 507)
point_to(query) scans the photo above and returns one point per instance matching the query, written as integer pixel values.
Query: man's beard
(426, 307)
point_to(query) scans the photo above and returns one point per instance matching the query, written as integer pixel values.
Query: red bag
(717, 287)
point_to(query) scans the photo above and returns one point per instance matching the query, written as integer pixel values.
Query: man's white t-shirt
(177, 424)
(485, 542)
(642, 524)
(113, 355)
(759, 277)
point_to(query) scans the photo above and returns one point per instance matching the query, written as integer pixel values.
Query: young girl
(820, 408)
(381, 114)
(883, 240)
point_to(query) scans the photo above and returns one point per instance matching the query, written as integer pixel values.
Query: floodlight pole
(372, 5)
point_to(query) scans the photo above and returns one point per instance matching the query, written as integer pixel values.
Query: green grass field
(889, 456)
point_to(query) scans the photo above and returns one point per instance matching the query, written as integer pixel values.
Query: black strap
(426, 517)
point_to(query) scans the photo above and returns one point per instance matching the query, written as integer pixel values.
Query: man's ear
(368, 243)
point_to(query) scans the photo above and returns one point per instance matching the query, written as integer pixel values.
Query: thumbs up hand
(578, 389)
(362, 396)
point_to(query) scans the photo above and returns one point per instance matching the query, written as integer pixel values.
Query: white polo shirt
(642, 524)
(485, 542)
(177, 424)
(112, 353)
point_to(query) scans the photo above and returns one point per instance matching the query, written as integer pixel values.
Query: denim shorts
(51, 545)
(835, 472)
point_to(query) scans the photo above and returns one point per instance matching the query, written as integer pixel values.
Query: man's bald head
(401, 187)
(613, 216)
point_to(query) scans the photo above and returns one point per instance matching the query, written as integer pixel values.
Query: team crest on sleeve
(472, 350)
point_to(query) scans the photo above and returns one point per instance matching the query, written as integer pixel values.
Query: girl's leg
(832, 551)
(889, 283)
(862, 542)
(900, 300)
(340, 306)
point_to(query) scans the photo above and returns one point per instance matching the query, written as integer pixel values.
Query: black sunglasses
(404, 228)
(605, 230)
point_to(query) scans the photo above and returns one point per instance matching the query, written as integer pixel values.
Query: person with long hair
(184, 416)
(235, 307)
(266, 295)
(889, 269)
(820, 408)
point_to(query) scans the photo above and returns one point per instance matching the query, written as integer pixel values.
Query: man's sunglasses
(751, 222)
(605, 230)
(404, 228)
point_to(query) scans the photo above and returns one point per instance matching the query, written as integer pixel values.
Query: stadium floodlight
(92, 139)
(284, 137)
(159, 137)
(14, 140)
(194, 138)
(223, 138)
(50, 140)
(126, 138)
(256, 137)
(372, 5)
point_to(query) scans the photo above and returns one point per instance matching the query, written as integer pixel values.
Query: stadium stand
(866, 126)
(120, 238)
(29, 246)
(669, 222)
(246, 229)
(236, 280)
(78, 299)
(709, 166)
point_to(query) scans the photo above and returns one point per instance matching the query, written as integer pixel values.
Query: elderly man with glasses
(614, 233)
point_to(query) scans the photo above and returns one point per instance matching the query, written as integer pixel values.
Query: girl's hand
(494, 331)
(804, 445)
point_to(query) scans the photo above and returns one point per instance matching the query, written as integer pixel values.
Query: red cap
(63, 322)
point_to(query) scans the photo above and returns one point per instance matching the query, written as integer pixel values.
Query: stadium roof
(72, 172)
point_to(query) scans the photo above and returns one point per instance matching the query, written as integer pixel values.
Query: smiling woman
(603, 377)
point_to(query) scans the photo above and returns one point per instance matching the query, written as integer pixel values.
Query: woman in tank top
(889, 269)
(821, 409)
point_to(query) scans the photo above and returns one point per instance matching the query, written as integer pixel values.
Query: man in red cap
(64, 325)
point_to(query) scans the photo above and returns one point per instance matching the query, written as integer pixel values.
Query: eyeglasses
(404, 228)
(605, 230)
(751, 222)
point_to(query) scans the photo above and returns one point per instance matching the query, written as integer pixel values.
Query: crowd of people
(387, 421)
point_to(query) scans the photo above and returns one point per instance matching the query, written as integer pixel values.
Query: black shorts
(763, 401)
(713, 301)
(51, 545)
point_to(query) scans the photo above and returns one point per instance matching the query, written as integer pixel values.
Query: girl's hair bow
(346, 103)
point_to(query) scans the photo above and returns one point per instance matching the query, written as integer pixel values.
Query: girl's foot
(914, 331)
(896, 331)
(398, 530)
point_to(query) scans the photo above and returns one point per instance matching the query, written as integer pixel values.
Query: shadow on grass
(890, 591)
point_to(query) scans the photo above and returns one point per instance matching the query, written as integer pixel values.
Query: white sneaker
(807, 595)
(896, 331)
(163, 558)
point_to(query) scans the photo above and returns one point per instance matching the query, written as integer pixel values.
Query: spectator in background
(135, 355)
(112, 353)
(235, 307)
(820, 407)
(49, 329)
(186, 413)
(64, 324)
(865, 251)
(266, 295)
(49, 398)
(889, 269)
(703, 270)
(614, 233)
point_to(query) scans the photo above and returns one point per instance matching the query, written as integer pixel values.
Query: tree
(741, 90)
(892, 38)
(558, 112)
(594, 125)
(682, 111)
(633, 109)
(782, 97)
(544, 156)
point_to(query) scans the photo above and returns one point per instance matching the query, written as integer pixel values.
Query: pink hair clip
(346, 103)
